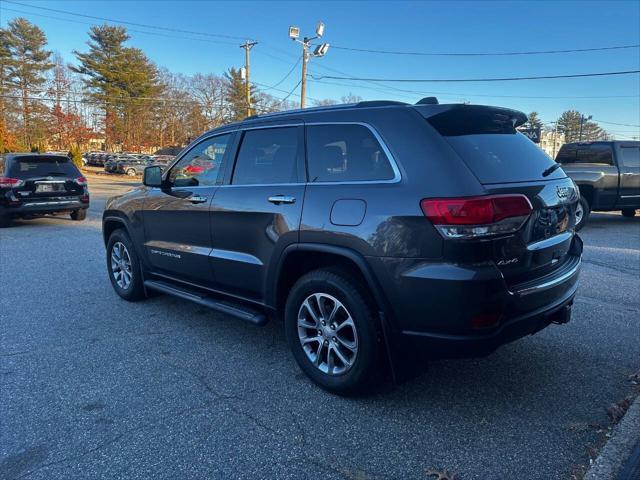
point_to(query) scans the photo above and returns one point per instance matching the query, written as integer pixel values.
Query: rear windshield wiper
(551, 169)
(60, 174)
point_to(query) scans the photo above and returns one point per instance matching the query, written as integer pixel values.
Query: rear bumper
(42, 206)
(478, 345)
(432, 305)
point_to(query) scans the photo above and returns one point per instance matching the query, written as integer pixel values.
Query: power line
(498, 79)
(484, 54)
(454, 94)
(208, 40)
(619, 124)
(124, 22)
(285, 77)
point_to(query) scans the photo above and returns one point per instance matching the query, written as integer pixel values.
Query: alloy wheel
(327, 334)
(121, 265)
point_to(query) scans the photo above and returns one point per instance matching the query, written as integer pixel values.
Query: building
(550, 142)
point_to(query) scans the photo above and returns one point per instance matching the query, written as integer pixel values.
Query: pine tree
(236, 95)
(122, 79)
(533, 121)
(569, 124)
(28, 65)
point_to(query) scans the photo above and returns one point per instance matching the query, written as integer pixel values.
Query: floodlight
(243, 73)
(294, 32)
(320, 29)
(321, 50)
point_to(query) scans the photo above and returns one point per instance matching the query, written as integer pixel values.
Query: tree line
(116, 93)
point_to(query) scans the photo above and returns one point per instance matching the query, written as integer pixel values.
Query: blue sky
(406, 26)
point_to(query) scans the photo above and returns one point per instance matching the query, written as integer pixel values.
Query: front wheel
(629, 212)
(131, 172)
(582, 213)
(123, 267)
(332, 330)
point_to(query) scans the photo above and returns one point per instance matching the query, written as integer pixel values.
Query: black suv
(372, 229)
(33, 184)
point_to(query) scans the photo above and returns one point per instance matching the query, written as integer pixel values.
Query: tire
(132, 290)
(79, 215)
(582, 213)
(131, 172)
(629, 212)
(5, 221)
(363, 364)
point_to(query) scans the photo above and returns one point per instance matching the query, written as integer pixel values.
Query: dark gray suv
(376, 231)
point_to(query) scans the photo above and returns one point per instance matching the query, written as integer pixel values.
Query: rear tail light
(7, 182)
(474, 217)
(81, 181)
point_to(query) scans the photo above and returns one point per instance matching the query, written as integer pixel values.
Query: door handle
(279, 199)
(197, 199)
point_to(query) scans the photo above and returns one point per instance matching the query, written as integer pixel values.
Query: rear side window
(345, 153)
(487, 141)
(42, 166)
(267, 156)
(566, 155)
(630, 156)
(595, 154)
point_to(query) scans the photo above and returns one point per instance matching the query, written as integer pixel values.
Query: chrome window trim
(397, 176)
(392, 161)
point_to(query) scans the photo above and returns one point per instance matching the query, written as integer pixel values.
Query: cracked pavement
(93, 387)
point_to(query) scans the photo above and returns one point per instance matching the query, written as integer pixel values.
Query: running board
(239, 311)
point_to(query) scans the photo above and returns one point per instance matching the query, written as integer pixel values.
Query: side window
(566, 155)
(345, 153)
(201, 165)
(268, 155)
(601, 154)
(630, 156)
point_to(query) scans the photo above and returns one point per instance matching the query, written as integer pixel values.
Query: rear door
(176, 217)
(256, 214)
(629, 165)
(46, 179)
(506, 162)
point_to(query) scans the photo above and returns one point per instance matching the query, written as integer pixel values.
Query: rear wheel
(629, 212)
(5, 221)
(79, 215)
(582, 213)
(123, 267)
(332, 331)
(131, 172)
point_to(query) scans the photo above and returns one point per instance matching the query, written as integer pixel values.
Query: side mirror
(152, 176)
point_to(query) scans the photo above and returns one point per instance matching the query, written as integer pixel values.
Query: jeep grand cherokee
(371, 229)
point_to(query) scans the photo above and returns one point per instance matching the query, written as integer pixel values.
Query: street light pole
(247, 47)
(320, 51)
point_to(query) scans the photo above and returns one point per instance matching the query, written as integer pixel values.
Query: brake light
(7, 182)
(81, 181)
(473, 217)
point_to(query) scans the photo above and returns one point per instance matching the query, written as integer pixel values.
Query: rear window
(41, 166)
(488, 142)
(601, 154)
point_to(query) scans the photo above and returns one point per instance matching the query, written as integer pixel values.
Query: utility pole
(247, 47)
(320, 51)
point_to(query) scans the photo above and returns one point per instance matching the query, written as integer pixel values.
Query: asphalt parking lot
(95, 387)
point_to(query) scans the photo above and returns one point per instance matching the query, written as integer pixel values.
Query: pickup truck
(607, 174)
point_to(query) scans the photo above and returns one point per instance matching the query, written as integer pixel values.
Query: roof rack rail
(378, 103)
(428, 101)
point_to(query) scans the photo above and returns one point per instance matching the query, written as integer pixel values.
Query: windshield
(42, 166)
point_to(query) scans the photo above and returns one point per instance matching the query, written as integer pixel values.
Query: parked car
(34, 184)
(133, 167)
(373, 230)
(607, 174)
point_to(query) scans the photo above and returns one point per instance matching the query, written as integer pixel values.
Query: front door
(176, 217)
(256, 214)
(629, 164)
